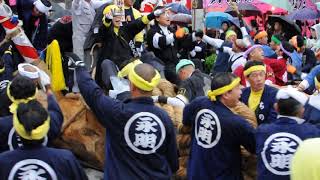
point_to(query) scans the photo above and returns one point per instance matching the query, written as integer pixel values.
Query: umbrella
(181, 18)
(215, 19)
(291, 5)
(304, 14)
(264, 7)
(247, 9)
(289, 27)
(178, 8)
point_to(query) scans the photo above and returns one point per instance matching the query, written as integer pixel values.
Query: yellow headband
(316, 82)
(142, 84)
(36, 134)
(15, 102)
(260, 35)
(214, 93)
(2, 69)
(254, 68)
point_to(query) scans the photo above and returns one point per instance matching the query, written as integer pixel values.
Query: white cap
(31, 75)
(42, 7)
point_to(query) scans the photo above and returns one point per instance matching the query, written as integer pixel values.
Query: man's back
(140, 137)
(40, 162)
(217, 136)
(276, 144)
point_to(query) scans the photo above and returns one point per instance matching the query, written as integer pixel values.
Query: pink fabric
(12, 2)
(311, 5)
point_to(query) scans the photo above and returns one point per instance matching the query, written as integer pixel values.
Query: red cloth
(239, 72)
(279, 67)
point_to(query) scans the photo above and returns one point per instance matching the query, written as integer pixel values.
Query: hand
(155, 98)
(197, 49)
(301, 87)
(44, 79)
(303, 75)
(109, 16)
(75, 62)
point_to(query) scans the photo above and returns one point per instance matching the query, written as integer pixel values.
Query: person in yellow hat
(117, 38)
(33, 160)
(140, 137)
(305, 162)
(217, 132)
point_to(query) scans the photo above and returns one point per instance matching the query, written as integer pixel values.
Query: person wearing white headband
(41, 6)
(278, 141)
(33, 14)
(34, 73)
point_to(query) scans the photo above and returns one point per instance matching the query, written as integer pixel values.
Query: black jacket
(118, 48)
(167, 53)
(309, 62)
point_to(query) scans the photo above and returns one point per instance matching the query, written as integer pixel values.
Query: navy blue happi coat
(140, 137)
(10, 140)
(276, 144)
(265, 112)
(216, 139)
(39, 162)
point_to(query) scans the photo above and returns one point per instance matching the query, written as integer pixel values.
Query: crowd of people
(274, 75)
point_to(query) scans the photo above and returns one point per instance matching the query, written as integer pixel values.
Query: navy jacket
(24, 8)
(309, 62)
(10, 140)
(7, 75)
(216, 139)
(276, 144)
(221, 64)
(140, 137)
(42, 162)
(265, 112)
(312, 115)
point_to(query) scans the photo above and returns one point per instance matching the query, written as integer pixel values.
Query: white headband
(41, 7)
(31, 75)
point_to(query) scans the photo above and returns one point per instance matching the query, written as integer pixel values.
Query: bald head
(29, 68)
(146, 71)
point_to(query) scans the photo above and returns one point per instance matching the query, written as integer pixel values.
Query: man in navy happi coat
(140, 137)
(10, 140)
(217, 133)
(259, 97)
(278, 141)
(33, 160)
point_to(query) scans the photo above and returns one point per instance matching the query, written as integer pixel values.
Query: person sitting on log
(33, 160)
(140, 137)
(218, 133)
(118, 42)
(259, 97)
(23, 90)
(193, 84)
